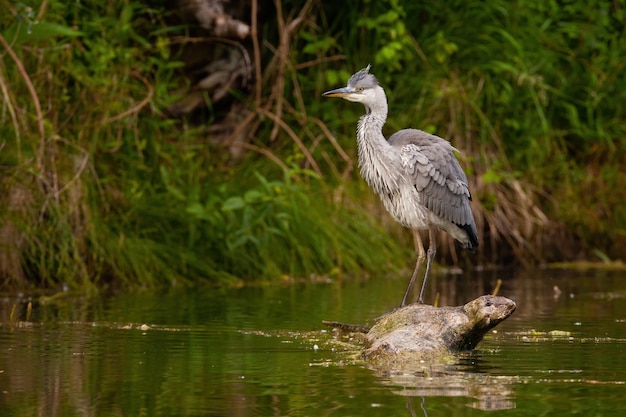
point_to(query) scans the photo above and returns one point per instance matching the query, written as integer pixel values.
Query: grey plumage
(416, 174)
(428, 160)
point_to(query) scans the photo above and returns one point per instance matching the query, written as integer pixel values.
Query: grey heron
(415, 174)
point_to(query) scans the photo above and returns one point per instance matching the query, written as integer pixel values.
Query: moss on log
(419, 332)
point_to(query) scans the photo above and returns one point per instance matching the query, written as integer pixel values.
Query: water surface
(263, 352)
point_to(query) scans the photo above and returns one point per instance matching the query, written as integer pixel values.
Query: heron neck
(369, 131)
(375, 156)
(370, 127)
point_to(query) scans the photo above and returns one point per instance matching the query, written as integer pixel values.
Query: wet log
(420, 332)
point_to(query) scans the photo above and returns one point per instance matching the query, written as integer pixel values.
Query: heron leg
(432, 250)
(421, 254)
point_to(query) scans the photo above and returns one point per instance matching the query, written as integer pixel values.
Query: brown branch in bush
(331, 138)
(10, 106)
(181, 40)
(318, 61)
(263, 151)
(221, 76)
(280, 122)
(286, 31)
(239, 129)
(210, 14)
(34, 96)
(137, 107)
(257, 53)
(81, 167)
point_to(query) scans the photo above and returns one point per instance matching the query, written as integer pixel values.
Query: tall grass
(531, 93)
(102, 188)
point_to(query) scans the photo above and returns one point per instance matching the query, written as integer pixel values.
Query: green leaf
(20, 33)
(197, 210)
(233, 203)
(252, 196)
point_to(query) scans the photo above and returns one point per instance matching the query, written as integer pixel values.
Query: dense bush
(532, 93)
(103, 183)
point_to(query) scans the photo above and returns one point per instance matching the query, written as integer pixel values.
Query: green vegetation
(100, 186)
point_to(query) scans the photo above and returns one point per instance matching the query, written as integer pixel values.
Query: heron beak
(339, 92)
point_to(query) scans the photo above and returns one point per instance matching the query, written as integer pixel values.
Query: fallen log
(420, 332)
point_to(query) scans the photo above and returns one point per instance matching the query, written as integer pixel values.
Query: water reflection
(490, 392)
(263, 351)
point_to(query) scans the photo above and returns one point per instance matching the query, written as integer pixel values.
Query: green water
(263, 352)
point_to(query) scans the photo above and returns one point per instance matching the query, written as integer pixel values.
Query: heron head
(359, 88)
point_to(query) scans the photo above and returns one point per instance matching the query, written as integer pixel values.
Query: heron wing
(429, 162)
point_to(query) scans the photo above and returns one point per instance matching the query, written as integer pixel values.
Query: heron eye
(360, 89)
